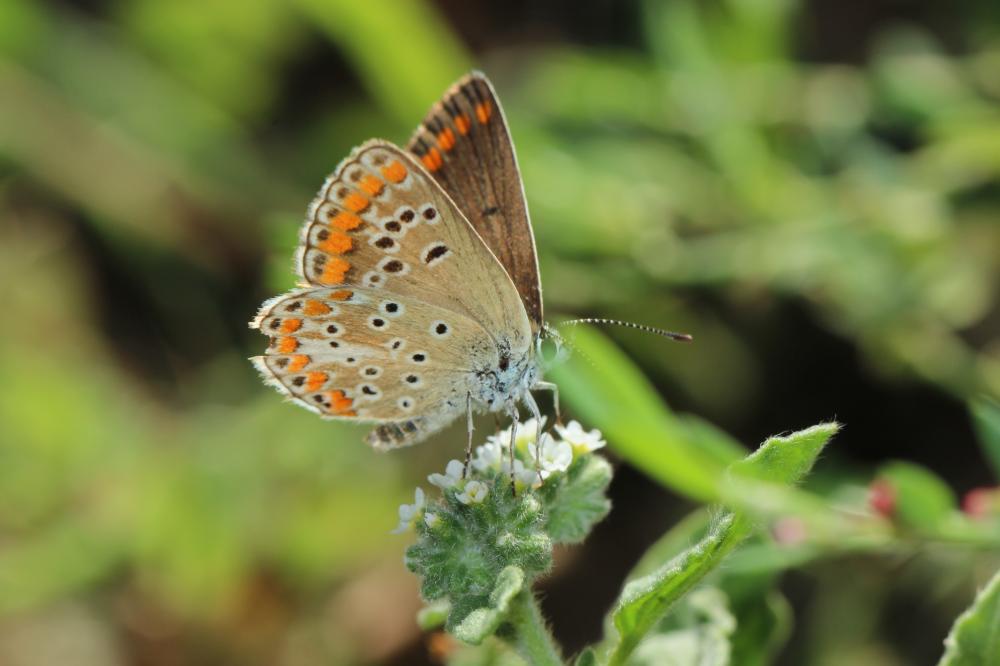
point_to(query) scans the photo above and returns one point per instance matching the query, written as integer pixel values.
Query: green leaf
(674, 541)
(786, 459)
(923, 501)
(699, 637)
(578, 501)
(483, 622)
(606, 388)
(974, 639)
(987, 421)
(586, 658)
(646, 600)
(763, 617)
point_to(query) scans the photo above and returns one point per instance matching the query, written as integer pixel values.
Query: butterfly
(420, 299)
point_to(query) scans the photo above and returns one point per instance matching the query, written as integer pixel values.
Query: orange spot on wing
(287, 345)
(337, 243)
(432, 160)
(297, 362)
(372, 185)
(446, 139)
(315, 381)
(340, 404)
(291, 325)
(334, 271)
(462, 123)
(395, 172)
(341, 295)
(345, 221)
(483, 112)
(314, 308)
(355, 202)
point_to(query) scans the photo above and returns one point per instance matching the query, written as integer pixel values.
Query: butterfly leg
(529, 401)
(468, 445)
(550, 386)
(512, 409)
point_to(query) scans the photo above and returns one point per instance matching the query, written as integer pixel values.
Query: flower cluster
(533, 463)
(480, 526)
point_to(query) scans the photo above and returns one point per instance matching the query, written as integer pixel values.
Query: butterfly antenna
(680, 337)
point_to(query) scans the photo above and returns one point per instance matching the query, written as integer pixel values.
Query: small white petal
(581, 440)
(474, 493)
(489, 456)
(409, 512)
(431, 519)
(452, 475)
(454, 469)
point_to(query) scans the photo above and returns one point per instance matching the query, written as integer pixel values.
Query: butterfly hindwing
(363, 354)
(465, 144)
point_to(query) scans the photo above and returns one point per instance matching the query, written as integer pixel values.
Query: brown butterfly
(420, 298)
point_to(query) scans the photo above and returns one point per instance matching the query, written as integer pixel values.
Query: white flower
(473, 493)
(409, 512)
(431, 519)
(552, 456)
(523, 475)
(490, 455)
(526, 434)
(452, 475)
(581, 440)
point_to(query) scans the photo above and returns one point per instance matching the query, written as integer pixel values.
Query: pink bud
(882, 498)
(981, 502)
(789, 531)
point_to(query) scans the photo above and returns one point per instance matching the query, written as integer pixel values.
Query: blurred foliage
(974, 638)
(157, 505)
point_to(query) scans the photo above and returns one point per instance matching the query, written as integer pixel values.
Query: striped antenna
(680, 337)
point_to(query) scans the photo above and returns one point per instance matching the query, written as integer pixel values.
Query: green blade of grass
(607, 390)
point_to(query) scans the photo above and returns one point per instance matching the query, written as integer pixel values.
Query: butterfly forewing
(381, 222)
(465, 144)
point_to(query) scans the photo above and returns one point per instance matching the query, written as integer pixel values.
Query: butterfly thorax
(506, 378)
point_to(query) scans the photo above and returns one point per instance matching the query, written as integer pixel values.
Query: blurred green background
(810, 187)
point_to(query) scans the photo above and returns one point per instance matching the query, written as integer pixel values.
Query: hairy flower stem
(531, 638)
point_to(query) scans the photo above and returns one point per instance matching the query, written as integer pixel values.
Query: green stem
(531, 637)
